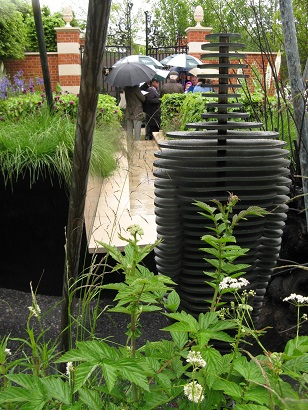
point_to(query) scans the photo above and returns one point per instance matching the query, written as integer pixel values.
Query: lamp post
(129, 25)
(147, 31)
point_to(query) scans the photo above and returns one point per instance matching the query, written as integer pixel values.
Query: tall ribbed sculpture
(224, 155)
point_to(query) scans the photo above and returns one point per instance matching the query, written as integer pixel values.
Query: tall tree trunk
(96, 32)
(297, 90)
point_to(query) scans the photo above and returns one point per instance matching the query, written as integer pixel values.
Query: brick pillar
(68, 44)
(196, 35)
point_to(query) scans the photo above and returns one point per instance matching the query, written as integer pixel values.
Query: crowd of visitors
(143, 102)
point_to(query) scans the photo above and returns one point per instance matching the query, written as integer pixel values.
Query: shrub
(170, 107)
(20, 98)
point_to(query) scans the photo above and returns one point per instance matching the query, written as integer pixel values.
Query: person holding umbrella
(128, 75)
(152, 110)
(134, 111)
(172, 86)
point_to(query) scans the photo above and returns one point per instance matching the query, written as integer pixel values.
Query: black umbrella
(129, 74)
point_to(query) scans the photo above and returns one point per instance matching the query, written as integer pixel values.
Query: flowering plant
(186, 370)
(21, 98)
(19, 85)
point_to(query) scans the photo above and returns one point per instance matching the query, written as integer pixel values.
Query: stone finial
(198, 15)
(67, 15)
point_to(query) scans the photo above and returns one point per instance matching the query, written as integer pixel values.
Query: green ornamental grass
(42, 145)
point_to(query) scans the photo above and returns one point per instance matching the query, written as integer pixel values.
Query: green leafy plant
(223, 249)
(186, 370)
(170, 107)
(21, 105)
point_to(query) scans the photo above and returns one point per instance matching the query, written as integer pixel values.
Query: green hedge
(22, 105)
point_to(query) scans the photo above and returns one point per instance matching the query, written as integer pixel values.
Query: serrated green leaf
(75, 406)
(258, 394)
(210, 210)
(223, 325)
(188, 320)
(211, 240)
(298, 364)
(113, 251)
(249, 370)
(154, 400)
(120, 309)
(58, 389)
(181, 327)
(180, 338)
(35, 404)
(110, 373)
(164, 381)
(133, 372)
(205, 320)
(173, 301)
(27, 381)
(153, 363)
(147, 309)
(296, 347)
(204, 336)
(112, 406)
(114, 286)
(213, 360)
(212, 398)
(82, 374)
(15, 395)
(25, 394)
(232, 389)
(250, 406)
(91, 351)
(91, 398)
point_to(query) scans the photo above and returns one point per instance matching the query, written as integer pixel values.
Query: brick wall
(254, 60)
(31, 67)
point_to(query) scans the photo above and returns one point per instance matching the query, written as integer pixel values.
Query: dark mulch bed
(14, 315)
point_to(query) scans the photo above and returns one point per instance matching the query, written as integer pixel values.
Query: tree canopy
(258, 22)
(18, 32)
(12, 31)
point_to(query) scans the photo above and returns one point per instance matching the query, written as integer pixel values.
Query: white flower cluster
(297, 299)
(135, 229)
(35, 310)
(233, 283)
(69, 368)
(244, 306)
(195, 359)
(194, 392)
(7, 352)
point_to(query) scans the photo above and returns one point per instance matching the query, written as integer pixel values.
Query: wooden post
(96, 33)
(297, 90)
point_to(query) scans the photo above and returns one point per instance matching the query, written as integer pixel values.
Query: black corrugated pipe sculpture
(217, 157)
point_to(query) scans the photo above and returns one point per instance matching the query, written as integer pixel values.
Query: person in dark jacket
(134, 111)
(172, 86)
(152, 110)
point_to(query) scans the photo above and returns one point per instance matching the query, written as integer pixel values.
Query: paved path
(123, 199)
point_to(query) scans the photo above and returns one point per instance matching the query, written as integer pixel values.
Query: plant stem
(218, 280)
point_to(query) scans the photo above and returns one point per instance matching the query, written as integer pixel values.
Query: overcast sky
(57, 5)
(79, 6)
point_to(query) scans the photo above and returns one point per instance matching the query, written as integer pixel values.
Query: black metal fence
(161, 52)
(114, 53)
(111, 56)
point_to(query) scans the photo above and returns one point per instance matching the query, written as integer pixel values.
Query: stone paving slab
(123, 199)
